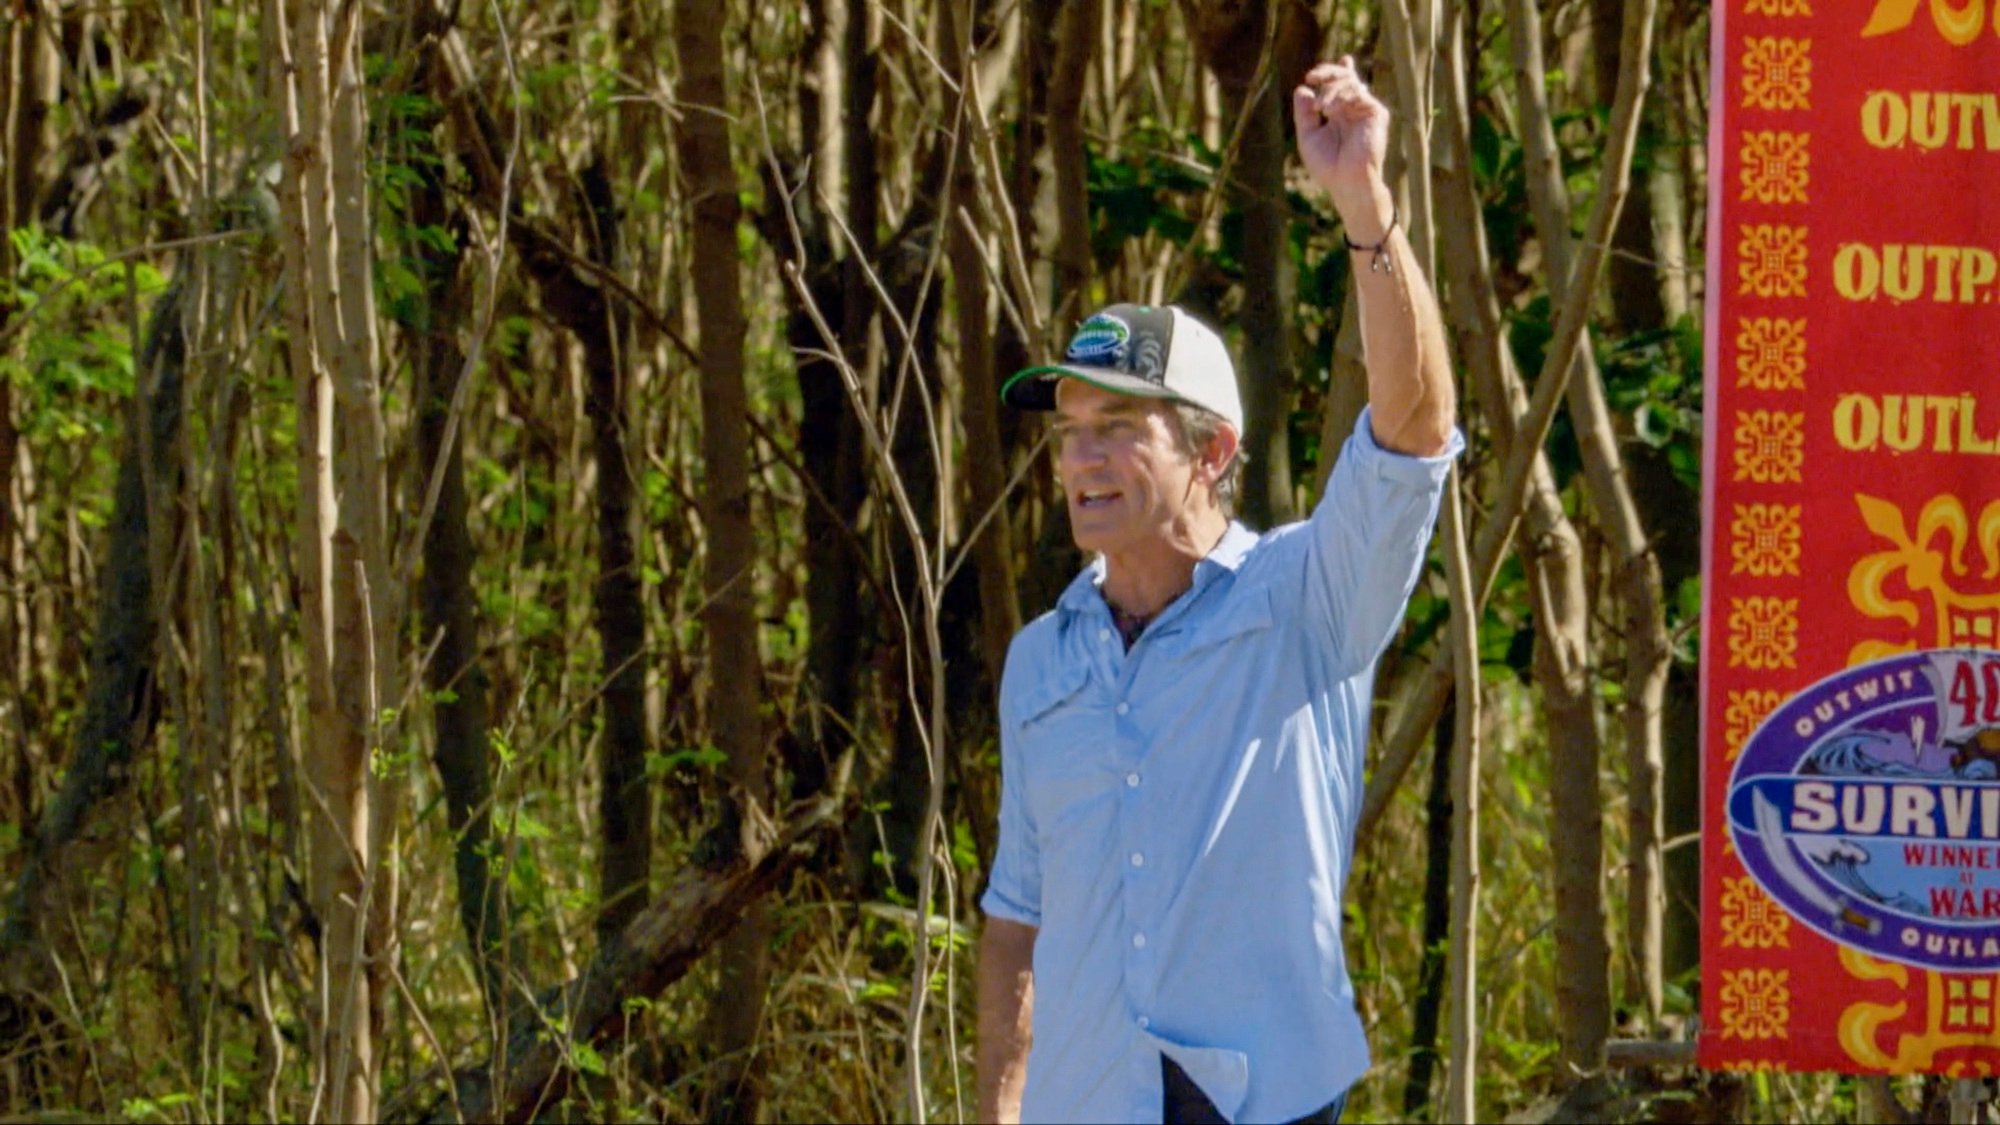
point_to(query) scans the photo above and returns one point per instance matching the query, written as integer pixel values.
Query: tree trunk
(1429, 1006)
(821, 95)
(1576, 807)
(986, 461)
(121, 660)
(1027, 179)
(580, 300)
(862, 181)
(1663, 501)
(1251, 48)
(369, 622)
(729, 620)
(1413, 38)
(829, 437)
(1075, 39)
(625, 808)
(454, 675)
(1642, 616)
(830, 462)
(1052, 210)
(1553, 555)
(121, 704)
(345, 594)
(1634, 277)
(27, 89)
(795, 224)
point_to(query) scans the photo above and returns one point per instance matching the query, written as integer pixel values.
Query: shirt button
(1124, 708)
(1104, 634)
(1138, 859)
(1138, 941)
(1132, 781)
(1144, 1023)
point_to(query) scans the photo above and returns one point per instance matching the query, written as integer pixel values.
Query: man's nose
(1083, 448)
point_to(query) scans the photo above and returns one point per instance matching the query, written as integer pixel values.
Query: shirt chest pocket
(1203, 682)
(1244, 617)
(1069, 736)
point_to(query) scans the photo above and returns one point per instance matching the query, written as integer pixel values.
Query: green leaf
(660, 764)
(587, 1059)
(526, 827)
(1687, 598)
(964, 853)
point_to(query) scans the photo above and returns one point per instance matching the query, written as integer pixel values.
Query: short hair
(1198, 426)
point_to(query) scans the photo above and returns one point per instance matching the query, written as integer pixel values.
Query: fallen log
(656, 949)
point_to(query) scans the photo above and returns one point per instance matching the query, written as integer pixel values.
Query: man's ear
(1222, 449)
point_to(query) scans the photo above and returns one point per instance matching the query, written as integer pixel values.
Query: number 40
(1959, 23)
(1977, 695)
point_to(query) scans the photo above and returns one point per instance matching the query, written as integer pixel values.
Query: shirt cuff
(1404, 468)
(997, 905)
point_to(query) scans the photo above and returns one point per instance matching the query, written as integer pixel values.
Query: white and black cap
(1158, 352)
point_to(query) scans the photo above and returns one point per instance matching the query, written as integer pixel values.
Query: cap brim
(1034, 388)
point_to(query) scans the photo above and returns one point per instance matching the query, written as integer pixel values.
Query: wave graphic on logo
(1868, 807)
(1100, 342)
(1148, 359)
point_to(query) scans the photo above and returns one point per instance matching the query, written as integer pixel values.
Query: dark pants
(1187, 1105)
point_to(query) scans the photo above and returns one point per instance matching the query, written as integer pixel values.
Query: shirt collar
(1082, 594)
(1231, 549)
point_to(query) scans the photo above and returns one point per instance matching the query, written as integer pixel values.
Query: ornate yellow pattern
(1957, 1011)
(1968, 1005)
(1777, 72)
(1771, 353)
(1750, 919)
(1778, 8)
(1763, 633)
(1776, 166)
(1929, 562)
(1756, 1003)
(1770, 446)
(1773, 260)
(1741, 715)
(1764, 540)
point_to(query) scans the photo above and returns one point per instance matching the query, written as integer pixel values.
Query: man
(1181, 738)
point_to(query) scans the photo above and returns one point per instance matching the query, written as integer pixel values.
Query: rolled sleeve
(1014, 887)
(1014, 890)
(1369, 535)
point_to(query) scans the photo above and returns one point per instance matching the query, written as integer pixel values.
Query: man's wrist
(1367, 217)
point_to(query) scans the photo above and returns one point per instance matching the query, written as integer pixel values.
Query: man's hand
(1343, 139)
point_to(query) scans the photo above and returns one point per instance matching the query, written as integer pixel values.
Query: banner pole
(1966, 1094)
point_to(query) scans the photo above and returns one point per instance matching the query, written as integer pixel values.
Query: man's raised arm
(1343, 135)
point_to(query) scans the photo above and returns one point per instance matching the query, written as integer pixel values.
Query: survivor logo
(1868, 806)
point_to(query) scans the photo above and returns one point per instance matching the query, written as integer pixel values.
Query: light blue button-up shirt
(1178, 820)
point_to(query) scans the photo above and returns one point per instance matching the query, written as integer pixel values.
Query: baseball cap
(1157, 352)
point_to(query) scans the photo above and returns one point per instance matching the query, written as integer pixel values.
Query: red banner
(1851, 544)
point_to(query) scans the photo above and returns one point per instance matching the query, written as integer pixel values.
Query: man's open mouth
(1096, 497)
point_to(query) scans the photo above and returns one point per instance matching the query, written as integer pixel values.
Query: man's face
(1127, 478)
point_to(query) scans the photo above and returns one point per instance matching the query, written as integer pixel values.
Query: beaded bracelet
(1378, 263)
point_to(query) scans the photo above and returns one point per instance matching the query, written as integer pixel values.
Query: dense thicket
(508, 537)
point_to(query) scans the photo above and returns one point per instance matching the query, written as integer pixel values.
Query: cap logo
(1100, 342)
(1147, 358)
